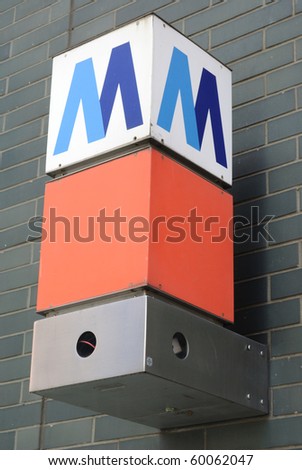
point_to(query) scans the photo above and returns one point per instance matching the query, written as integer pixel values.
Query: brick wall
(261, 41)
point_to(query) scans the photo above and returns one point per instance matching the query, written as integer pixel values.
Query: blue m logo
(97, 111)
(120, 74)
(195, 117)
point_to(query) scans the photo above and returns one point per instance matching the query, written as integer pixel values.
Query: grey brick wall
(261, 42)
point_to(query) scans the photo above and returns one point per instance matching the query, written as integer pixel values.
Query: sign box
(140, 82)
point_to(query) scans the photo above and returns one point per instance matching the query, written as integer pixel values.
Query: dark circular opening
(86, 344)
(180, 345)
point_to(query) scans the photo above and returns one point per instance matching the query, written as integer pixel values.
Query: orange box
(139, 221)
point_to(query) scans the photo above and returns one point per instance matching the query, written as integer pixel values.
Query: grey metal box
(149, 361)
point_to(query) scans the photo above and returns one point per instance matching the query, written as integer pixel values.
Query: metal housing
(154, 362)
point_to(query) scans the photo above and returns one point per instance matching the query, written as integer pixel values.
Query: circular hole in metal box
(86, 344)
(180, 345)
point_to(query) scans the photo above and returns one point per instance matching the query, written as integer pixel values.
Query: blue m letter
(195, 118)
(121, 73)
(179, 82)
(97, 112)
(207, 102)
(83, 89)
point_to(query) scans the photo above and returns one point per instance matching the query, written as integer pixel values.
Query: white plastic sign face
(142, 81)
(100, 96)
(191, 102)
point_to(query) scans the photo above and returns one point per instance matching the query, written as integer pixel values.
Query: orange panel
(72, 269)
(191, 254)
(170, 231)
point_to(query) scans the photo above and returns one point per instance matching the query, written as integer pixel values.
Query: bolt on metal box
(150, 361)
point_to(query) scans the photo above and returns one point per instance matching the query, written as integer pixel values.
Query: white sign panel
(191, 102)
(142, 81)
(100, 96)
